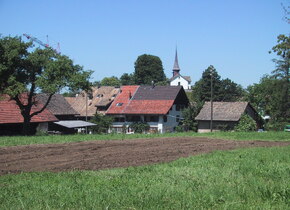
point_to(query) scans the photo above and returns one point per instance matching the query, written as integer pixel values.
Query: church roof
(187, 78)
(175, 65)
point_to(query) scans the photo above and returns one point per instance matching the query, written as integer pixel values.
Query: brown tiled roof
(57, 105)
(10, 112)
(101, 96)
(222, 111)
(146, 100)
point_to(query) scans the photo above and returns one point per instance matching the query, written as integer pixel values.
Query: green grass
(26, 140)
(255, 178)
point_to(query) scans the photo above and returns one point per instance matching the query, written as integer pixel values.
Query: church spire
(176, 68)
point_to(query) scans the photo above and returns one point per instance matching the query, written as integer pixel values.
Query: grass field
(26, 140)
(255, 178)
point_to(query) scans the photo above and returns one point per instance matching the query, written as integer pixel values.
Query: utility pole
(211, 102)
(86, 95)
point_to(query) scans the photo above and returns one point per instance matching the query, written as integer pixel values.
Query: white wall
(186, 85)
(161, 126)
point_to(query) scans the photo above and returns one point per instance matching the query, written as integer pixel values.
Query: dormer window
(119, 104)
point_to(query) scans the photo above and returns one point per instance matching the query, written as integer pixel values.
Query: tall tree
(271, 95)
(201, 91)
(110, 81)
(25, 71)
(231, 91)
(148, 68)
(127, 79)
(223, 90)
(282, 49)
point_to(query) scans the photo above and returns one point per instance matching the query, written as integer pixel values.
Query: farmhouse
(159, 106)
(11, 119)
(177, 79)
(97, 102)
(226, 115)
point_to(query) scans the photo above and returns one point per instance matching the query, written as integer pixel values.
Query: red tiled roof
(148, 107)
(10, 112)
(143, 100)
(123, 98)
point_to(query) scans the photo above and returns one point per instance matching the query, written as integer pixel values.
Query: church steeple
(176, 68)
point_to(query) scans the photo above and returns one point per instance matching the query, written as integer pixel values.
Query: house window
(178, 83)
(164, 118)
(119, 104)
(177, 107)
(177, 118)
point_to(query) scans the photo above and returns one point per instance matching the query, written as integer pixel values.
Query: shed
(226, 115)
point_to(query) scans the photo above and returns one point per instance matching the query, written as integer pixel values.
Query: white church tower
(177, 79)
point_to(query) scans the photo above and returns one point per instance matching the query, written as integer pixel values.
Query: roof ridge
(130, 99)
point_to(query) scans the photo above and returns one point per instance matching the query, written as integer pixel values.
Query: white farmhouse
(158, 106)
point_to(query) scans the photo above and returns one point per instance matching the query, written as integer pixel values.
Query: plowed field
(96, 155)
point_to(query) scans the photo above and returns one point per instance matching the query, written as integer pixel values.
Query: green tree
(103, 123)
(110, 81)
(148, 68)
(223, 90)
(271, 95)
(281, 73)
(25, 70)
(127, 79)
(231, 91)
(201, 91)
(189, 114)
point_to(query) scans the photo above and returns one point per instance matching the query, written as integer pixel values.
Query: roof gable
(222, 111)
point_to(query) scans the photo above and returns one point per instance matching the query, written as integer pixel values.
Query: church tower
(176, 68)
(177, 79)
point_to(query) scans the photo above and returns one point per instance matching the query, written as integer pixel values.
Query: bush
(275, 126)
(179, 129)
(103, 123)
(140, 127)
(246, 123)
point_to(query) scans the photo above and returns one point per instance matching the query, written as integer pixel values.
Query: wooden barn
(226, 115)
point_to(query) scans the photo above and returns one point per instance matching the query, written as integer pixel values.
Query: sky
(107, 36)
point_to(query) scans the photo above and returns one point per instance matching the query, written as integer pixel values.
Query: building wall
(173, 118)
(204, 126)
(180, 81)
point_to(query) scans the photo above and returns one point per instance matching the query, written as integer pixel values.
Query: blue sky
(107, 36)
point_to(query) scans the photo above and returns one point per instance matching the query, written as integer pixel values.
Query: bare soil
(96, 155)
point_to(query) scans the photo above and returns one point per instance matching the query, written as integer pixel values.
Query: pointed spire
(176, 68)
